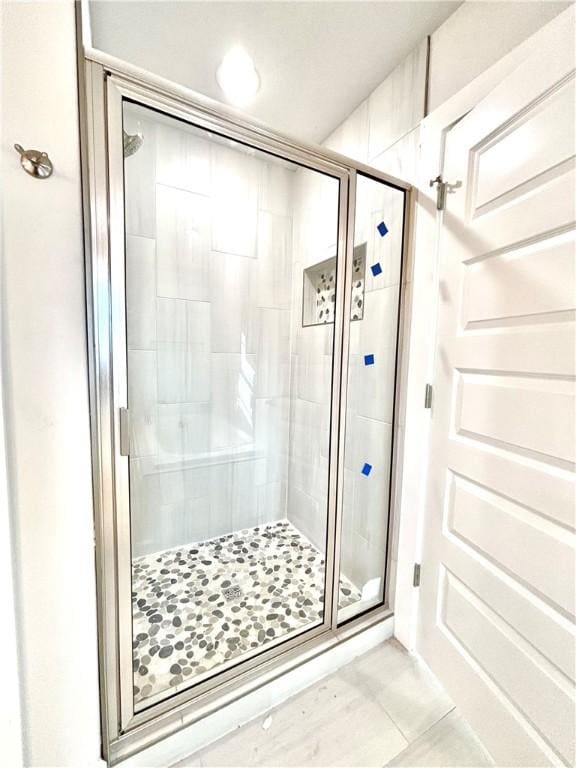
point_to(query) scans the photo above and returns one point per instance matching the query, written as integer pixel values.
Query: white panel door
(496, 619)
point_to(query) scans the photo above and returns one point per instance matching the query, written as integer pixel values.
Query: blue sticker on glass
(376, 269)
(368, 359)
(366, 469)
(382, 228)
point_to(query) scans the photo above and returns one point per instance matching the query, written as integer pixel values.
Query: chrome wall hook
(34, 162)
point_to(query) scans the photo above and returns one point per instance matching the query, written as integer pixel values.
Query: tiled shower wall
(208, 273)
(383, 131)
(371, 388)
(315, 238)
(370, 396)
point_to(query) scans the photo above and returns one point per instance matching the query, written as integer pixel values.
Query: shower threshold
(201, 605)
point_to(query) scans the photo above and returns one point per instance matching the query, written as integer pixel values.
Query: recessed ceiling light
(237, 76)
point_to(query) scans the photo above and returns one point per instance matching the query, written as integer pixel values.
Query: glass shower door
(370, 417)
(230, 287)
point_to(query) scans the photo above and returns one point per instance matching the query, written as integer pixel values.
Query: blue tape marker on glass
(382, 228)
(366, 469)
(368, 359)
(376, 269)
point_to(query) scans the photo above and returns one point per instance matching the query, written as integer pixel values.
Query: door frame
(422, 340)
(107, 81)
(119, 88)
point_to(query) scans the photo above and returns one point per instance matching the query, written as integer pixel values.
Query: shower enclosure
(245, 297)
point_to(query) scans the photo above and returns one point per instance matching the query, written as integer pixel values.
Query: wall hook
(34, 162)
(442, 189)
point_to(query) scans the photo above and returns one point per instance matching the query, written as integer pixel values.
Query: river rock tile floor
(197, 606)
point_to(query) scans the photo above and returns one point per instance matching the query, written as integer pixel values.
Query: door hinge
(442, 189)
(124, 432)
(416, 579)
(428, 396)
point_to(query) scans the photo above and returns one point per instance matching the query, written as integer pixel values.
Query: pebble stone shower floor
(197, 606)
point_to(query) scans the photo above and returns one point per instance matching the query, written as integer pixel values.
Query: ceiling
(317, 60)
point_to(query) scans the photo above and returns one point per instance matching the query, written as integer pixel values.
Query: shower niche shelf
(319, 291)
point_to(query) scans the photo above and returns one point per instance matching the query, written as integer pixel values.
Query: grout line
(420, 735)
(427, 75)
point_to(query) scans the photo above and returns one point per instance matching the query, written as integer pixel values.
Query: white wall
(46, 390)
(10, 710)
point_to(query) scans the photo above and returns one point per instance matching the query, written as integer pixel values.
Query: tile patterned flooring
(382, 709)
(199, 606)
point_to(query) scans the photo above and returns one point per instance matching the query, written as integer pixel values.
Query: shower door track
(106, 83)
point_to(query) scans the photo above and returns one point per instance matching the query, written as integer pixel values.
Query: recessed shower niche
(319, 289)
(244, 503)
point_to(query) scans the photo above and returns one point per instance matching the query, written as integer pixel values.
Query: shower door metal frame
(107, 83)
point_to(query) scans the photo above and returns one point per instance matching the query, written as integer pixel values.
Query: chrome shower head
(132, 143)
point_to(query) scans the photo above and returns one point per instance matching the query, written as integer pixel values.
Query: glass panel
(229, 399)
(370, 400)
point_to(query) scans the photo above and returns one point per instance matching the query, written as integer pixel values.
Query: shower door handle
(124, 432)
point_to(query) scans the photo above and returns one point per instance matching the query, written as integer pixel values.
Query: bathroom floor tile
(359, 715)
(407, 691)
(204, 604)
(450, 743)
(331, 723)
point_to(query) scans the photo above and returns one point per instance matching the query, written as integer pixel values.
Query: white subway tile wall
(371, 386)
(212, 361)
(397, 104)
(383, 131)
